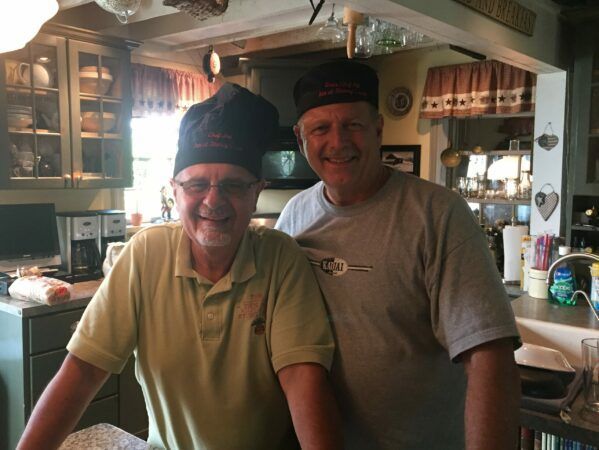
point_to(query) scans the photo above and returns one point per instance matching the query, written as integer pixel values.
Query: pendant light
(21, 20)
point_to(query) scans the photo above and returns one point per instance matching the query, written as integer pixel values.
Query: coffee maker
(113, 228)
(79, 239)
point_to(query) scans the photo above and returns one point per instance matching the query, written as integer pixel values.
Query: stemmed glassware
(332, 30)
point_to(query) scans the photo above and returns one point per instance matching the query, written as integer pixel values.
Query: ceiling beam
(241, 16)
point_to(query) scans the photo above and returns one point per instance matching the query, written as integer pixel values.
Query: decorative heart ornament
(546, 202)
(547, 141)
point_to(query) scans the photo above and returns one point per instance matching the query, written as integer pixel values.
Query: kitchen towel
(512, 244)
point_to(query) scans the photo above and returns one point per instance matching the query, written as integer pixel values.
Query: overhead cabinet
(65, 110)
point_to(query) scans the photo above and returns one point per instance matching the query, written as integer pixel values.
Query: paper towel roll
(512, 237)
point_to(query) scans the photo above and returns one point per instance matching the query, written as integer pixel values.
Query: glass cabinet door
(100, 115)
(35, 96)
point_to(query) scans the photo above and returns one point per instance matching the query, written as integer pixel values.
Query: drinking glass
(590, 373)
(462, 186)
(482, 185)
(472, 190)
(511, 188)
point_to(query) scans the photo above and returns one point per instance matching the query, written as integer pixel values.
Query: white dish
(532, 355)
(19, 121)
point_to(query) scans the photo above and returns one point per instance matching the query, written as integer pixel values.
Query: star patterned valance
(483, 87)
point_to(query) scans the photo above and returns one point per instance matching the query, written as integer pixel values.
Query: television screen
(28, 236)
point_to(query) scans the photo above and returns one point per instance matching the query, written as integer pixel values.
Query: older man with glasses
(227, 323)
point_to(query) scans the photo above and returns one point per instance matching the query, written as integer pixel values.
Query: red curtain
(158, 90)
(484, 87)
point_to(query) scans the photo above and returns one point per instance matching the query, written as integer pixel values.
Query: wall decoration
(399, 101)
(546, 202)
(405, 158)
(547, 140)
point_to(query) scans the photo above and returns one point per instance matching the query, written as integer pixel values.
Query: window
(154, 142)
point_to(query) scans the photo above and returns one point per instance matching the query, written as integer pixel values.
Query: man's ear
(298, 137)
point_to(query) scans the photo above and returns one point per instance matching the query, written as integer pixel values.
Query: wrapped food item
(48, 291)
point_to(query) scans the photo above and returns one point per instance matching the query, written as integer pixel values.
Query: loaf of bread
(48, 291)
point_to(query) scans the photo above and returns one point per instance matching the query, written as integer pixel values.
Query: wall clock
(399, 101)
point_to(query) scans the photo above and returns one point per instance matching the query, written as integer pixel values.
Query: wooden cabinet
(583, 177)
(32, 350)
(65, 110)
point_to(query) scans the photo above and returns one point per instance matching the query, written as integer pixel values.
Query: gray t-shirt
(409, 285)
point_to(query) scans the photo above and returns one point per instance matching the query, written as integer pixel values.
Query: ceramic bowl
(90, 121)
(94, 69)
(19, 120)
(90, 83)
(531, 355)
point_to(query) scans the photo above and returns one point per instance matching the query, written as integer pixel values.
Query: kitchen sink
(565, 338)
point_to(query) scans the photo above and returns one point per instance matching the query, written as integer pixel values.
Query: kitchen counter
(104, 436)
(80, 297)
(532, 308)
(553, 323)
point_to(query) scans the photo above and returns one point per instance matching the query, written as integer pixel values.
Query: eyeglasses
(228, 188)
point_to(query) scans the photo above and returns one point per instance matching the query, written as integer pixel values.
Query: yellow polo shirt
(207, 354)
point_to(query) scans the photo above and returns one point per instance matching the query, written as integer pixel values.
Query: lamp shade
(21, 20)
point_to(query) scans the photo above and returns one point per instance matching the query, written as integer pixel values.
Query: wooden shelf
(104, 98)
(29, 89)
(498, 201)
(90, 135)
(39, 131)
(498, 153)
(585, 228)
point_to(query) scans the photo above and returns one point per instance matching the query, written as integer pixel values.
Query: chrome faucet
(569, 257)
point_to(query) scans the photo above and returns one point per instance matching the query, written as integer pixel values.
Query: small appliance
(79, 238)
(113, 228)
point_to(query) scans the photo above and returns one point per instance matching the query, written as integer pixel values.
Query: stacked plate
(19, 116)
(92, 81)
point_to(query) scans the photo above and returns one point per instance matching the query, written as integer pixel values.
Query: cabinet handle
(73, 327)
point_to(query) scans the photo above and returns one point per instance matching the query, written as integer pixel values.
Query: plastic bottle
(595, 285)
(564, 284)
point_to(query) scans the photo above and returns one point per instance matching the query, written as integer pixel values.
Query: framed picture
(402, 157)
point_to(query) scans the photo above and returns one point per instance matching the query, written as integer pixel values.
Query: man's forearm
(492, 398)
(61, 405)
(312, 405)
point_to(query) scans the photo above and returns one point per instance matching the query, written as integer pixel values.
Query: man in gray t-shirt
(425, 333)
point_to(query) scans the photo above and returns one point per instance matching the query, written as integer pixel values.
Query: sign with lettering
(508, 12)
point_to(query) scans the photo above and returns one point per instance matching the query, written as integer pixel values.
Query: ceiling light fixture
(21, 20)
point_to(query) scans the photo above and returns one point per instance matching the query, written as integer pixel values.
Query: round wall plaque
(399, 101)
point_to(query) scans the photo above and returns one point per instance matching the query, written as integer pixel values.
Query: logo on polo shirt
(337, 266)
(253, 307)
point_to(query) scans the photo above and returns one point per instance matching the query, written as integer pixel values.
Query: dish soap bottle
(595, 285)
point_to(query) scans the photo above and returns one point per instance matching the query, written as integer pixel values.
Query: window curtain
(158, 90)
(484, 87)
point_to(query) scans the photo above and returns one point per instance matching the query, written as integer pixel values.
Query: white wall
(547, 165)
(409, 69)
